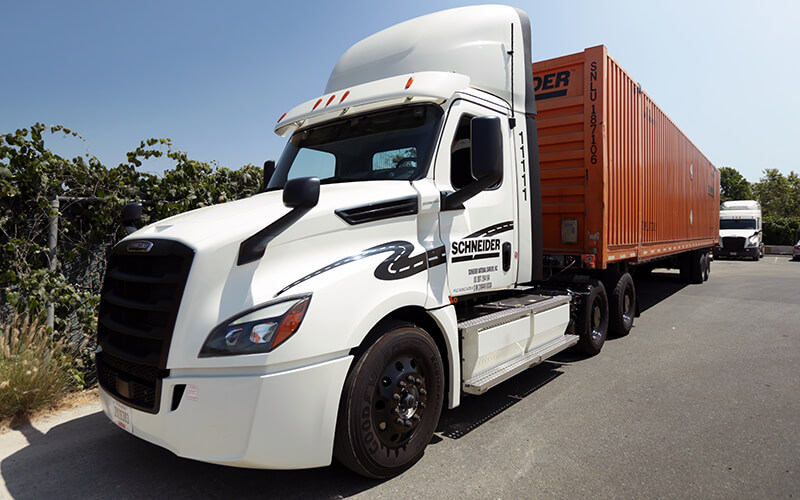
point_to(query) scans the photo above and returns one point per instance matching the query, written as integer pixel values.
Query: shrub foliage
(91, 197)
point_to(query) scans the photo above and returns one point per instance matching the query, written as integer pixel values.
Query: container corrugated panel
(614, 166)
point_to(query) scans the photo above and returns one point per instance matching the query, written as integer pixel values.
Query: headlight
(752, 241)
(257, 330)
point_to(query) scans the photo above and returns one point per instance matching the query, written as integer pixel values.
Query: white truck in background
(740, 230)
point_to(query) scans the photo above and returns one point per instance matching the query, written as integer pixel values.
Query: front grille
(733, 243)
(141, 295)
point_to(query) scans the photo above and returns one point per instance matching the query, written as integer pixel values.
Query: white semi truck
(393, 265)
(740, 230)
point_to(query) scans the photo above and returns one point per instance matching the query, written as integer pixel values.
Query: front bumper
(751, 252)
(283, 420)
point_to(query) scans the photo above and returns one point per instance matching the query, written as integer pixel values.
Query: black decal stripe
(397, 266)
(492, 230)
(480, 256)
(550, 95)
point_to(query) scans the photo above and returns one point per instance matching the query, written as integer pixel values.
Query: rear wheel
(391, 403)
(622, 306)
(707, 268)
(693, 267)
(592, 321)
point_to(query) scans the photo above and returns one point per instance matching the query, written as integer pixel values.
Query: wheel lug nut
(402, 384)
(407, 423)
(400, 421)
(422, 405)
(396, 397)
(415, 418)
(422, 392)
(410, 378)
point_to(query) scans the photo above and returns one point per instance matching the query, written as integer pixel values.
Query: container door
(481, 239)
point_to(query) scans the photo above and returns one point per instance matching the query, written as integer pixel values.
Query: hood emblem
(139, 246)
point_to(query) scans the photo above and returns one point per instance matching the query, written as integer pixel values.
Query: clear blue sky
(215, 76)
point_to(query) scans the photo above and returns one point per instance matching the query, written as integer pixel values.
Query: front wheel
(391, 403)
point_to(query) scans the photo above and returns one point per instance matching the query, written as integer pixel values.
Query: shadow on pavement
(657, 287)
(90, 457)
(476, 411)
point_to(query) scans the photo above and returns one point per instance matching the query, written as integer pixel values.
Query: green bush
(91, 197)
(781, 230)
(34, 370)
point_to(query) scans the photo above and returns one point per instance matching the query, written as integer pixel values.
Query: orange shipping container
(620, 182)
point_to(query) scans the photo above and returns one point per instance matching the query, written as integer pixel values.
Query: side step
(490, 378)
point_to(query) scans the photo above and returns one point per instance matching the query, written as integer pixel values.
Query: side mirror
(302, 192)
(131, 215)
(486, 161)
(301, 195)
(269, 169)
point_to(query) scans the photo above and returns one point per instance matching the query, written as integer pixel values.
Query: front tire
(391, 403)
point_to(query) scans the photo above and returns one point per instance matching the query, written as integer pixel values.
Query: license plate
(733, 253)
(121, 415)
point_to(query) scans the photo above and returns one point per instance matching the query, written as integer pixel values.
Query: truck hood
(213, 227)
(744, 233)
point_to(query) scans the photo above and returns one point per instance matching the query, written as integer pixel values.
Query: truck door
(481, 238)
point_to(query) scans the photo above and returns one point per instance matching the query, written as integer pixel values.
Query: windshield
(737, 224)
(393, 144)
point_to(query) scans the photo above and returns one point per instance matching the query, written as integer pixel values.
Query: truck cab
(740, 230)
(387, 270)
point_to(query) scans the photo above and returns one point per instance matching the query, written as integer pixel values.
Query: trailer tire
(592, 320)
(622, 306)
(707, 268)
(696, 265)
(391, 403)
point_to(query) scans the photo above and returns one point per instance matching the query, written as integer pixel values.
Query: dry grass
(33, 369)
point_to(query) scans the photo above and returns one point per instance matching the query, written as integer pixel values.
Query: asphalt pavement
(701, 400)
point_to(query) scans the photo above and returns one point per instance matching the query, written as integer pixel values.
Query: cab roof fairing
(475, 41)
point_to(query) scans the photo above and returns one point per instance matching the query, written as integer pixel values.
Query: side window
(313, 163)
(460, 169)
(405, 158)
(461, 158)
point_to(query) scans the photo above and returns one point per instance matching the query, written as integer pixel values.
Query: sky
(214, 77)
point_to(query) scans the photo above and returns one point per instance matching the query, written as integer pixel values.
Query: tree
(776, 194)
(733, 186)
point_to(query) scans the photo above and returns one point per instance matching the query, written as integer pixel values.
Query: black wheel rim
(399, 402)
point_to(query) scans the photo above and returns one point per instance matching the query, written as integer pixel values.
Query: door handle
(506, 256)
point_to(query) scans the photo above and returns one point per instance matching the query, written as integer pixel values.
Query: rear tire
(391, 403)
(697, 261)
(707, 269)
(622, 306)
(592, 321)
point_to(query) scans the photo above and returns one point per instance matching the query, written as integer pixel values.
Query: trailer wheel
(622, 307)
(707, 268)
(391, 403)
(593, 320)
(696, 266)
